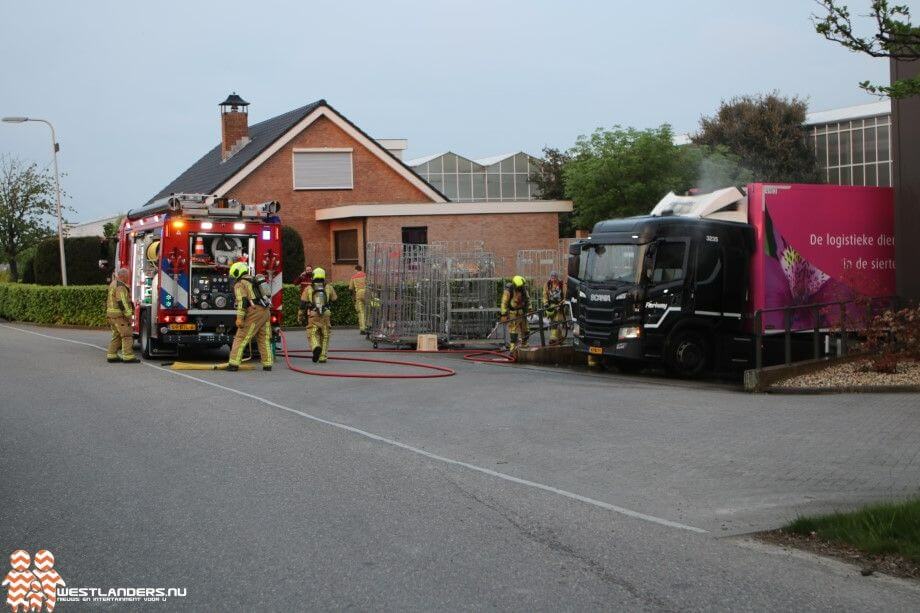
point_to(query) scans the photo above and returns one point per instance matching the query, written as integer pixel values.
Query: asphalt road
(502, 487)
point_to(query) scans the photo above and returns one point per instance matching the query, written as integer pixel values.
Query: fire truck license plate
(182, 327)
(596, 350)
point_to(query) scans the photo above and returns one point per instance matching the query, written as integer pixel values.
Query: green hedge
(84, 305)
(343, 309)
(78, 305)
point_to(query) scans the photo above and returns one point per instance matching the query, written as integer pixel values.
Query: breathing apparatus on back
(261, 288)
(319, 290)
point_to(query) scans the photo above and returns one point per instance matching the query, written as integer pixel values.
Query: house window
(323, 169)
(346, 246)
(417, 235)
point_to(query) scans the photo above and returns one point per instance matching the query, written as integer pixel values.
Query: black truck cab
(668, 289)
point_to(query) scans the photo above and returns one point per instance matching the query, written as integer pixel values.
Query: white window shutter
(322, 170)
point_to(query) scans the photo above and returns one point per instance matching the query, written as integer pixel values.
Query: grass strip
(887, 528)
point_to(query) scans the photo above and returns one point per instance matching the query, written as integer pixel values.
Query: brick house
(340, 189)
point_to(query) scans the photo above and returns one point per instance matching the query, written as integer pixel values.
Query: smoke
(717, 170)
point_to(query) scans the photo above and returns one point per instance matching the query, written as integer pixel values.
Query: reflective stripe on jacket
(358, 284)
(244, 296)
(118, 301)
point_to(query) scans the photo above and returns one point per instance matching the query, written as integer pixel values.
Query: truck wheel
(687, 354)
(148, 344)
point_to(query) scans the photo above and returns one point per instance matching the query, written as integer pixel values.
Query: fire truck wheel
(687, 354)
(148, 344)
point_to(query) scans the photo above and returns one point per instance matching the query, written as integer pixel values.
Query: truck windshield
(609, 263)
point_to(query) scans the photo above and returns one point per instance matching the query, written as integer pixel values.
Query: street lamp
(57, 184)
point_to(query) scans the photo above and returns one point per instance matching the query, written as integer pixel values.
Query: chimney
(234, 125)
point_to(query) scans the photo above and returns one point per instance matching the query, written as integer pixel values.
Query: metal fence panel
(431, 289)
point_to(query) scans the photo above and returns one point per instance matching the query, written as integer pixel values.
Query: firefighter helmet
(518, 281)
(319, 274)
(238, 269)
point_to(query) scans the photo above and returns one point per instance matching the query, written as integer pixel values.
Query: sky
(133, 88)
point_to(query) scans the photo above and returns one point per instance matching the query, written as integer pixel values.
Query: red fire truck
(179, 251)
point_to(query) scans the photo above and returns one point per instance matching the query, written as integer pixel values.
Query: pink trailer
(819, 244)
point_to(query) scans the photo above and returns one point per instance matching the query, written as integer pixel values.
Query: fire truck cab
(179, 251)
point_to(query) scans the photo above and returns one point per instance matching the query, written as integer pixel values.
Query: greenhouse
(497, 178)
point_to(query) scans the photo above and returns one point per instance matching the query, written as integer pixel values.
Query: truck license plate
(183, 327)
(596, 350)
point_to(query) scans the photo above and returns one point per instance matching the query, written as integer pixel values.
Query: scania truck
(681, 287)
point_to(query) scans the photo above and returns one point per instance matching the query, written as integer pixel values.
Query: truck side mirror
(572, 261)
(572, 266)
(648, 264)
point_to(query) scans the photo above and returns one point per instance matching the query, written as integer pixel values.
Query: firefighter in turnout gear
(358, 284)
(118, 311)
(553, 303)
(314, 304)
(515, 302)
(252, 320)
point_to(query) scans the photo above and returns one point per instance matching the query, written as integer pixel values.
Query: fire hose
(484, 356)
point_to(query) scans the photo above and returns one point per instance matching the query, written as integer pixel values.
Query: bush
(343, 309)
(83, 255)
(292, 258)
(892, 336)
(77, 305)
(85, 305)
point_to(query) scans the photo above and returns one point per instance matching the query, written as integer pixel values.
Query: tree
(623, 172)
(82, 253)
(549, 177)
(27, 206)
(895, 37)
(767, 135)
(292, 258)
(110, 228)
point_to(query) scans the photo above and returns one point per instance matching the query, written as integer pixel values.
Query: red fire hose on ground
(483, 355)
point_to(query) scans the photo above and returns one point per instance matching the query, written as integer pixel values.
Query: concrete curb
(550, 354)
(848, 389)
(765, 378)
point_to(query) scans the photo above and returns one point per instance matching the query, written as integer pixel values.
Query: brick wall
(374, 182)
(234, 127)
(503, 235)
